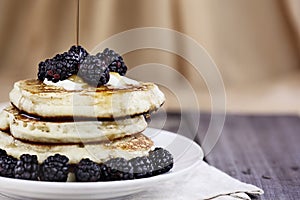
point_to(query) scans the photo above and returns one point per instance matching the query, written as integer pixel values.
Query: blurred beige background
(254, 43)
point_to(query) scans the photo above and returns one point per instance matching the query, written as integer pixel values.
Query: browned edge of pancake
(82, 144)
(33, 116)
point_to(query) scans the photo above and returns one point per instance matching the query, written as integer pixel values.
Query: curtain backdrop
(251, 41)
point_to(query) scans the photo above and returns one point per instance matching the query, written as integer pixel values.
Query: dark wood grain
(261, 150)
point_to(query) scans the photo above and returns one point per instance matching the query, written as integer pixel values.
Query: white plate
(187, 154)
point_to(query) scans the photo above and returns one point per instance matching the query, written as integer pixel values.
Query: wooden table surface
(263, 150)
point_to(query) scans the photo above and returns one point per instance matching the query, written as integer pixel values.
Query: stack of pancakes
(95, 123)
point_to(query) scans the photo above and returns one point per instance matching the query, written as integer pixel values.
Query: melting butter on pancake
(25, 128)
(128, 147)
(37, 98)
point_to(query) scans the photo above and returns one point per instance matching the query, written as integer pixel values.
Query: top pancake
(38, 99)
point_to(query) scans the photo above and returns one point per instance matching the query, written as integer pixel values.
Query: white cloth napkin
(205, 182)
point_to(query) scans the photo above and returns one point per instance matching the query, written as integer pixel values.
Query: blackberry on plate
(94, 71)
(116, 169)
(27, 167)
(55, 168)
(142, 167)
(3, 152)
(87, 171)
(62, 66)
(162, 160)
(113, 61)
(7, 166)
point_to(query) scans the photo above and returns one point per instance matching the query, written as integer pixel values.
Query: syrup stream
(77, 22)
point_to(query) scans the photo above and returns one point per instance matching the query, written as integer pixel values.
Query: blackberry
(113, 61)
(55, 168)
(87, 171)
(27, 167)
(58, 68)
(7, 166)
(2, 153)
(142, 167)
(94, 71)
(62, 66)
(117, 169)
(162, 160)
(105, 172)
(77, 53)
(118, 66)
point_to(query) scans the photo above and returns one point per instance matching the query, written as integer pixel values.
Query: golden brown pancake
(31, 129)
(36, 98)
(127, 147)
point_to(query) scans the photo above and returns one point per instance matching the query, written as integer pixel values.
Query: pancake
(4, 121)
(48, 101)
(128, 147)
(30, 129)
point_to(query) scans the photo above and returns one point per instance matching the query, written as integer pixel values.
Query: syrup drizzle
(77, 22)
